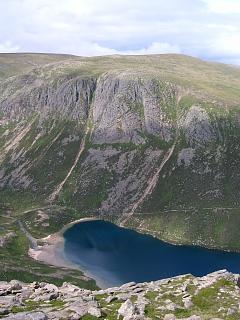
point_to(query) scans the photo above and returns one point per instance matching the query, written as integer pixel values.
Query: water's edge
(51, 251)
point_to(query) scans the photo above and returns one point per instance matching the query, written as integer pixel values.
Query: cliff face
(148, 142)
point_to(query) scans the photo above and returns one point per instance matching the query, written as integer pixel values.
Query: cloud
(7, 46)
(156, 47)
(224, 6)
(204, 28)
(227, 45)
(94, 49)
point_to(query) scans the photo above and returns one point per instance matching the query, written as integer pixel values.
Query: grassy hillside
(12, 64)
(150, 142)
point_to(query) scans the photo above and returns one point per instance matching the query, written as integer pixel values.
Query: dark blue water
(114, 255)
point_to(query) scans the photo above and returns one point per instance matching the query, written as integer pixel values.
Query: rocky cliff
(150, 142)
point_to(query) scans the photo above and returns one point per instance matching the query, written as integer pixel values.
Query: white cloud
(156, 47)
(200, 27)
(94, 49)
(228, 44)
(7, 46)
(224, 6)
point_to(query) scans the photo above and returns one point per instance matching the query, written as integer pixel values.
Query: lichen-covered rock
(128, 310)
(28, 316)
(95, 312)
(152, 302)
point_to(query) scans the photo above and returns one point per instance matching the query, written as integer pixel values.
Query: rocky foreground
(215, 296)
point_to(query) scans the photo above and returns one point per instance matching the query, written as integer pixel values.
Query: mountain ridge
(97, 131)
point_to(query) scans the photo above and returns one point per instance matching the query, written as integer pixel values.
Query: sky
(208, 29)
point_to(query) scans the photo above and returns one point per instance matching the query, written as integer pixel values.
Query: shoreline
(50, 250)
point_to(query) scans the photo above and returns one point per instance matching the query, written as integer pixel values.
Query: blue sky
(209, 29)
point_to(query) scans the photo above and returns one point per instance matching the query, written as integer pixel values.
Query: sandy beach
(51, 250)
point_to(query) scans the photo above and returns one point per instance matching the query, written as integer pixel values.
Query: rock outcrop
(214, 296)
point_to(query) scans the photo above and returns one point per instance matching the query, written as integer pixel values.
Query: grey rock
(9, 300)
(78, 309)
(127, 285)
(169, 317)
(15, 285)
(171, 306)
(127, 310)
(185, 157)
(124, 296)
(94, 311)
(80, 302)
(141, 304)
(4, 240)
(110, 299)
(198, 127)
(231, 311)
(46, 296)
(25, 293)
(28, 316)
(4, 311)
(50, 287)
(187, 303)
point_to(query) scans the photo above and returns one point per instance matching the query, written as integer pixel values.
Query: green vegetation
(30, 305)
(196, 199)
(212, 228)
(16, 264)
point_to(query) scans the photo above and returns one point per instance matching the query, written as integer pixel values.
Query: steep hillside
(150, 142)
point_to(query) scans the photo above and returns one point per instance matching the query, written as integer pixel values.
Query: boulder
(127, 310)
(27, 316)
(169, 317)
(4, 311)
(15, 285)
(187, 303)
(94, 311)
(110, 299)
(50, 287)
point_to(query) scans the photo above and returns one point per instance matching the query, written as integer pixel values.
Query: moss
(179, 313)
(30, 305)
(89, 317)
(134, 298)
(151, 312)
(16, 309)
(57, 304)
(206, 299)
(100, 297)
(151, 295)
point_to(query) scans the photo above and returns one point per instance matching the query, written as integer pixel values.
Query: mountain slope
(150, 142)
